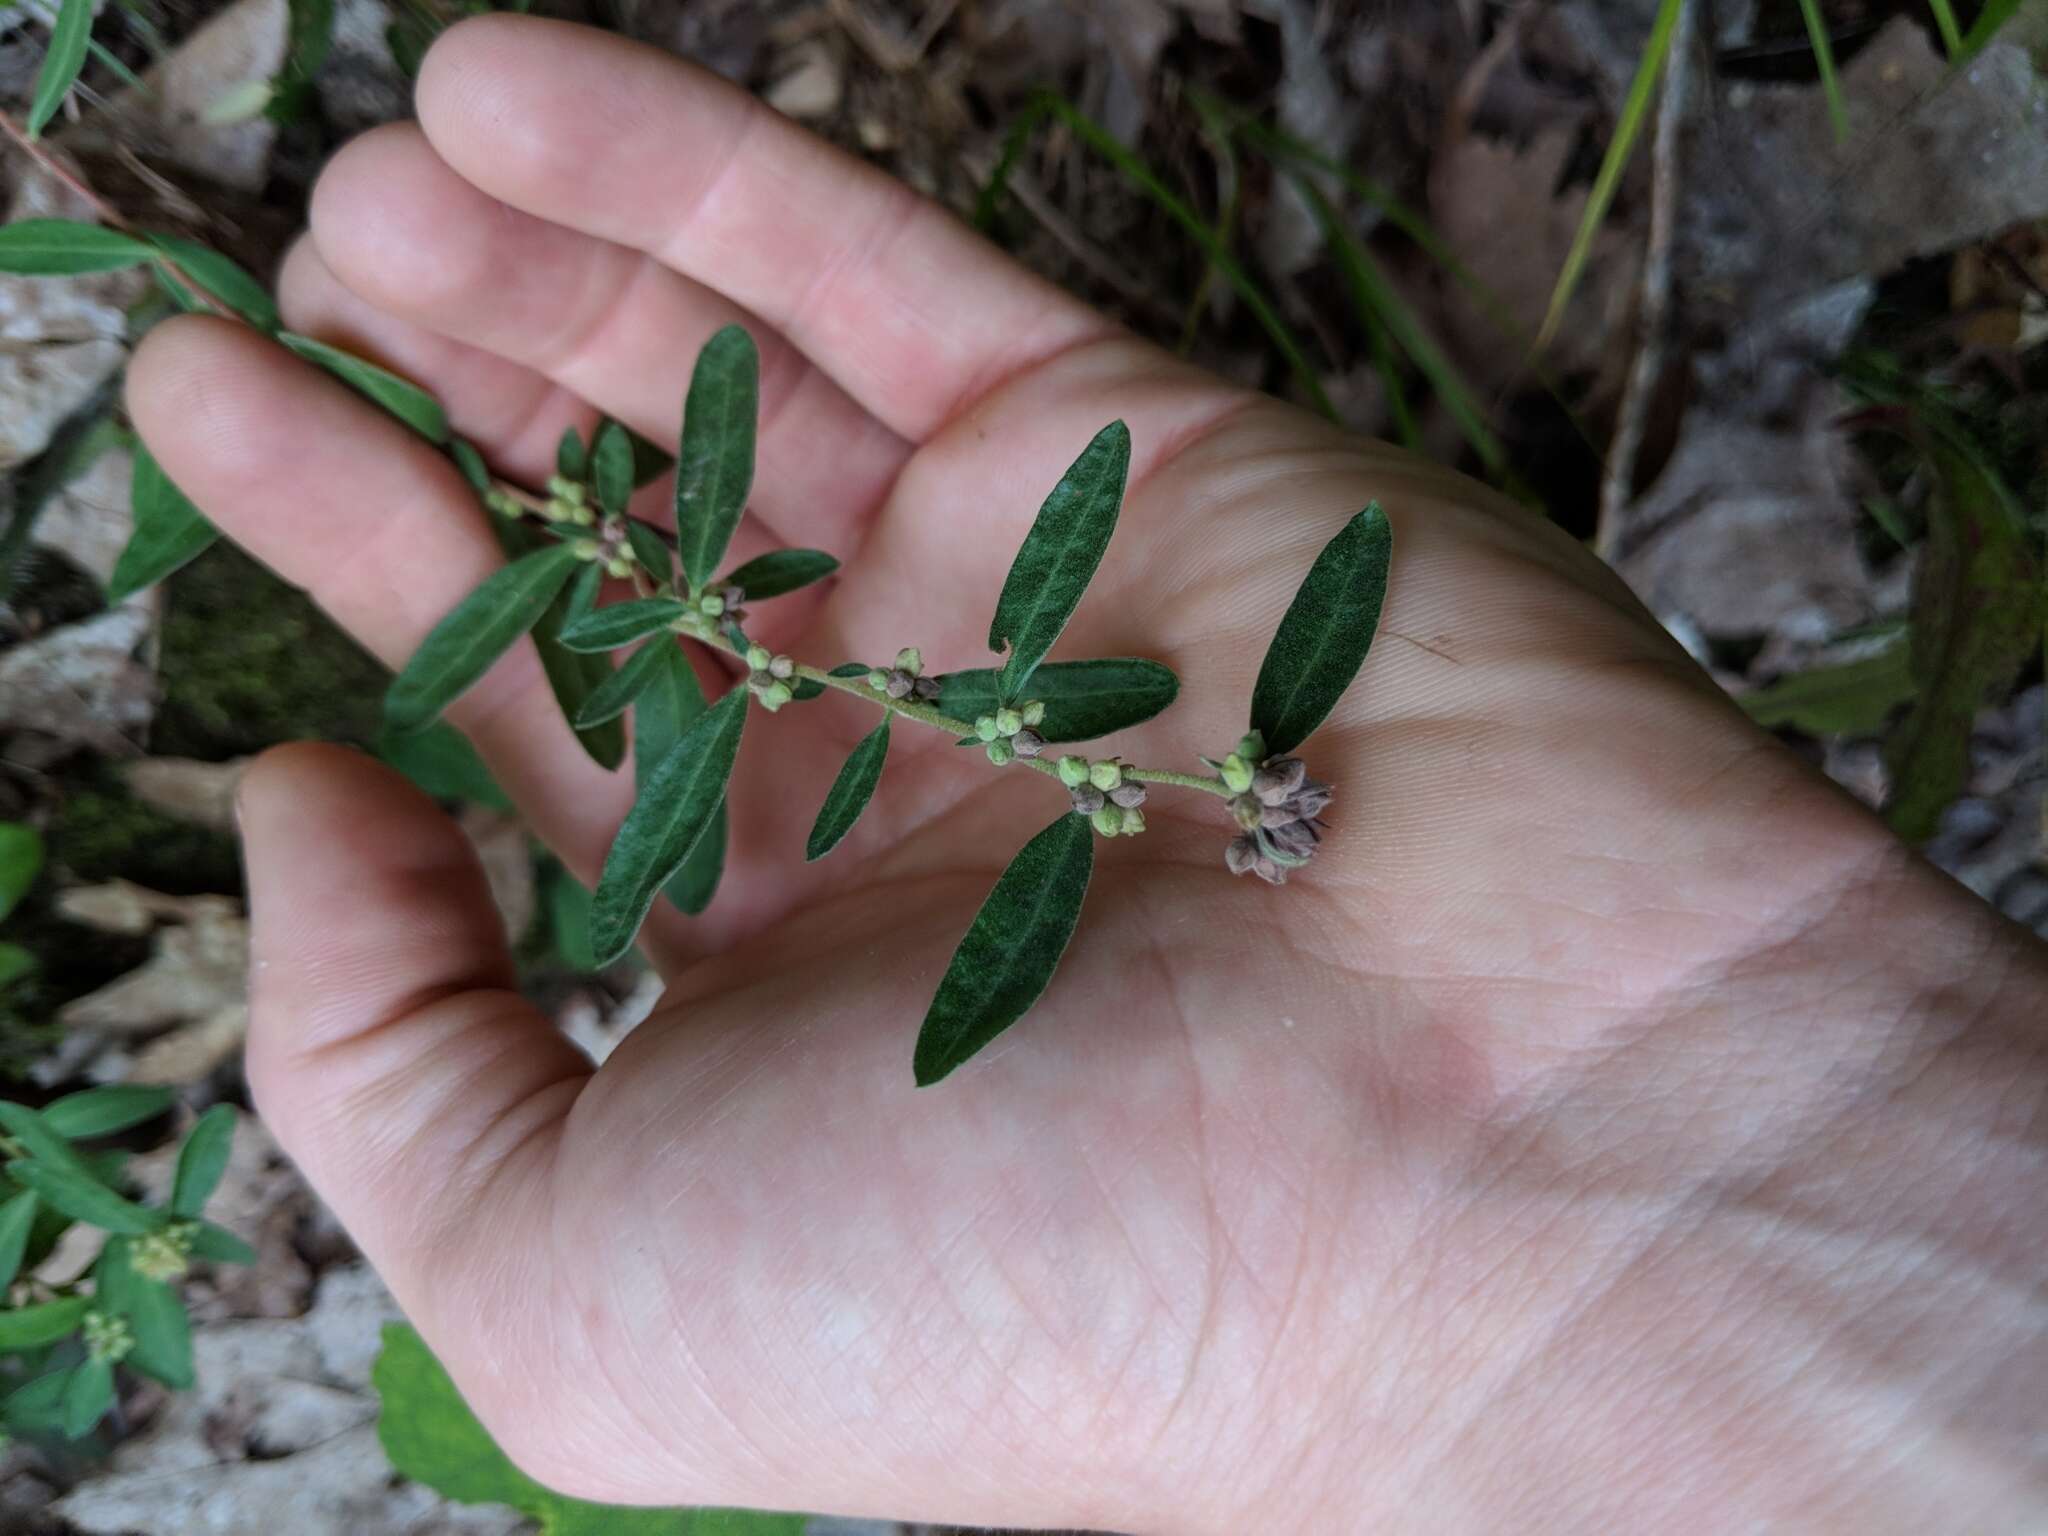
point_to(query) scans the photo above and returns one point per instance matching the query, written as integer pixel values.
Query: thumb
(388, 1049)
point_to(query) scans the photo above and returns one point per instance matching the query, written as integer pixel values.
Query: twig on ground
(1617, 481)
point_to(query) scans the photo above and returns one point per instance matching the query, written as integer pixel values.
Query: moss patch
(101, 832)
(248, 661)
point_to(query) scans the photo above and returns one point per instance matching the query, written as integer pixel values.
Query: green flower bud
(985, 728)
(1237, 774)
(1249, 813)
(618, 566)
(503, 503)
(1001, 753)
(107, 1337)
(586, 549)
(1033, 711)
(758, 656)
(565, 489)
(910, 659)
(774, 696)
(1134, 823)
(1008, 722)
(781, 666)
(877, 679)
(1105, 776)
(711, 605)
(1108, 821)
(580, 515)
(162, 1255)
(1073, 771)
(1251, 746)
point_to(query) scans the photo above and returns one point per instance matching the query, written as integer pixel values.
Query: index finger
(910, 312)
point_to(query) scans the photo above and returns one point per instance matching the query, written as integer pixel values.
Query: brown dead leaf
(201, 793)
(196, 971)
(82, 683)
(192, 1051)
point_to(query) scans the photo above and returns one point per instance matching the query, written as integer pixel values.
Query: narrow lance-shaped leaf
(170, 532)
(715, 460)
(1083, 699)
(617, 693)
(572, 675)
(83, 1198)
(102, 1111)
(471, 463)
(402, 398)
(674, 809)
(480, 629)
(1012, 948)
(443, 763)
(202, 1161)
(21, 860)
(17, 1220)
(607, 629)
(87, 1397)
(650, 551)
(572, 457)
(41, 1323)
(611, 465)
(780, 571)
(61, 63)
(1058, 557)
(850, 792)
(65, 247)
(162, 1333)
(221, 277)
(218, 1245)
(1325, 634)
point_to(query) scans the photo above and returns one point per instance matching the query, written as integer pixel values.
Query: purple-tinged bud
(1268, 871)
(782, 667)
(733, 597)
(1028, 743)
(1296, 841)
(926, 690)
(1241, 855)
(1279, 778)
(1310, 800)
(1130, 795)
(1248, 811)
(900, 684)
(1088, 799)
(1271, 816)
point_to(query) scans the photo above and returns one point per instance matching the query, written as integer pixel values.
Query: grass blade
(1989, 22)
(1945, 22)
(1824, 59)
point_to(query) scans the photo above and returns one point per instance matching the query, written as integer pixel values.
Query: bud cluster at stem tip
(768, 677)
(1010, 732)
(1278, 807)
(905, 680)
(1101, 793)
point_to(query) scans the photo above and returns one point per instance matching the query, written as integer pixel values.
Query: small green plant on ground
(61, 1345)
(431, 1437)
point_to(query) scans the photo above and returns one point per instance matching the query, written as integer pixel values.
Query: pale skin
(1613, 1129)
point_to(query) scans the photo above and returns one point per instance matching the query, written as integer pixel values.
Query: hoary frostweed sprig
(1024, 714)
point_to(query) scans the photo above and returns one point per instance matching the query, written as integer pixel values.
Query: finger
(608, 324)
(388, 1048)
(908, 310)
(338, 498)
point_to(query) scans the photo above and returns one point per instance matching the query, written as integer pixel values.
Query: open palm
(1188, 1237)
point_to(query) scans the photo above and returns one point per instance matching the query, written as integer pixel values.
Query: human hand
(1420, 1186)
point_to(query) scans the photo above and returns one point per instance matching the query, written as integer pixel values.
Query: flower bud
(580, 515)
(1249, 813)
(107, 1338)
(877, 679)
(1033, 711)
(1134, 823)
(618, 567)
(1088, 800)
(1310, 800)
(161, 1255)
(775, 695)
(733, 596)
(586, 549)
(758, 657)
(910, 659)
(1008, 722)
(1001, 753)
(1241, 855)
(1105, 775)
(782, 666)
(1296, 841)
(711, 605)
(1237, 774)
(986, 729)
(1073, 771)
(1108, 821)
(1028, 743)
(1278, 778)
(926, 689)
(1130, 795)
(1251, 746)
(1278, 815)
(900, 684)
(503, 503)
(565, 489)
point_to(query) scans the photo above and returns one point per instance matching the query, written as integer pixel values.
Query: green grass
(1995, 15)
(1945, 20)
(1824, 60)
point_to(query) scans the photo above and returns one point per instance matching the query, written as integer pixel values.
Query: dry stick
(1617, 482)
(109, 214)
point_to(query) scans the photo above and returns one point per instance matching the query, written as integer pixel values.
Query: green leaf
(163, 1334)
(612, 468)
(617, 693)
(1824, 62)
(650, 551)
(217, 1245)
(17, 1220)
(715, 462)
(21, 860)
(622, 623)
(169, 533)
(572, 458)
(480, 629)
(103, 1111)
(87, 1397)
(650, 462)
(1059, 556)
(676, 806)
(569, 921)
(1978, 610)
(442, 762)
(1850, 697)
(804, 689)
(668, 707)
(38, 1407)
(1011, 949)
(202, 1161)
(1988, 24)
(65, 247)
(61, 63)
(84, 1198)
(1083, 699)
(15, 963)
(45, 1322)
(572, 675)
(224, 279)
(780, 571)
(1328, 628)
(850, 792)
(308, 36)
(471, 463)
(401, 397)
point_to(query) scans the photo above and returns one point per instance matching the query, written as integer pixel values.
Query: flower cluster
(768, 677)
(1278, 807)
(164, 1255)
(1012, 733)
(107, 1337)
(1101, 793)
(905, 680)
